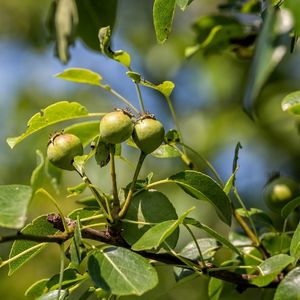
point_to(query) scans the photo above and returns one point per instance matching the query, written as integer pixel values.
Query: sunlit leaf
(166, 151)
(55, 113)
(121, 271)
(53, 295)
(271, 268)
(163, 14)
(291, 103)
(203, 187)
(215, 288)
(14, 200)
(77, 190)
(183, 4)
(37, 289)
(157, 234)
(40, 227)
(289, 287)
(80, 75)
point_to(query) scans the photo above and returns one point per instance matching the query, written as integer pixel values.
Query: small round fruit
(148, 134)
(116, 127)
(279, 192)
(62, 148)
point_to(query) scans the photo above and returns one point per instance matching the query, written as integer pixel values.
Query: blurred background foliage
(208, 94)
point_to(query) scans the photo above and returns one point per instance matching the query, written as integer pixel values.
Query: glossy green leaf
(81, 75)
(121, 271)
(163, 14)
(203, 187)
(105, 40)
(148, 208)
(268, 53)
(289, 287)
(37, 175)
(215, 288)
(94, 14)
(166, 151)
(291, 103)
(295, 244)
(290, 207)
(62, 24)
(271, 268)
(276, 243)
(14, 200)
(40, 227)
(213, 233)
(86, 131)
(183, 4)
(55, 113)
(53, 295)
(37, 289)
(157, 234)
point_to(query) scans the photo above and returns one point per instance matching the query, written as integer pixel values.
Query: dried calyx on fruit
(116, 127)
(62, 148)
(148, 133)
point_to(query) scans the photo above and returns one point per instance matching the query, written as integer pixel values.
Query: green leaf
(40, 227)
(259, 217)
(203, 187)
(94, 14)
(294, 8)
(163, 14)
(295, 244)
(53, 295)
(121, 271)
(291, 103)
(271, 268)
(148, 208)
(268, 53)
(62, 24)
(230, 183)
(37, 175)
(215, 287)
(77, 190)
(276, 243)
(70, 277)
(55, 113)
(183, 4)
(86, 131)
(83, 213)
(157, 234)
(37, 289)
(80, 75)
(289, 287)
(105, 40)
(166, 151)
(14, 200)
(213, 233)
(290, 207)
(88, 201)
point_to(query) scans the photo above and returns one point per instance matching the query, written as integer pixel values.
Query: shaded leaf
(37, 289)
(37, 175)
(40, 227)
(271, 268)
(157, 234)
(80, 75)
(203, 187)
(213, 233)
(295, 244)
(121, 271)
(259, 217)
(55, 113)
(94, 14)
(14, 200)
(276, 243)
(62, 24)
(289, 287)
(290, 207)
(148, 208)
(163, 14)
(268, 53)
(291, 103)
